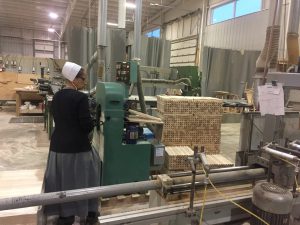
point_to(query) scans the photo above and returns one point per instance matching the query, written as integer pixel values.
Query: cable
(203, 204)
(233, 202)
(288, 162)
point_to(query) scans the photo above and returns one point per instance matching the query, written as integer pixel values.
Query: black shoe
(92, 218)
(66, 220)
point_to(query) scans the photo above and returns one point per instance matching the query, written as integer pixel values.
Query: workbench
(23, 95)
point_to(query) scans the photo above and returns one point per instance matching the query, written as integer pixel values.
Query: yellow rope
(288, 162)
(238, 205)
(233, 202)
(203, 204)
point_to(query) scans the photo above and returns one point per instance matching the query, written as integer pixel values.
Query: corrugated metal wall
(246, 32)
(242, 33)
(16, 41)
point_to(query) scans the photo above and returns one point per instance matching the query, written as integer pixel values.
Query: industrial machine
(124, 150)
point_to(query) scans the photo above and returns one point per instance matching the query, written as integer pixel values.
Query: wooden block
(187, 105)
(177, 157)
(218, 161)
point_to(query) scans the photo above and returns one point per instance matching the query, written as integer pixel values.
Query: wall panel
(14, 41)
(242, 33)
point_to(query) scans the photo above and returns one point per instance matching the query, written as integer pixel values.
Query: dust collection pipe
(101, 37)
(122, 14)
(224, 177)
(292, 35)
(77, 195)
(269, 53)
(120, 189)
(137, 30)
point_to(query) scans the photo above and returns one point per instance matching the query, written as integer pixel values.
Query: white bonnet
(70, 70)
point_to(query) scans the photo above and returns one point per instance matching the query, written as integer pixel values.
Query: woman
(72, 163)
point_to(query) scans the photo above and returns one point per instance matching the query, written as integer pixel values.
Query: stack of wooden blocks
(177, 159)
(191, 121)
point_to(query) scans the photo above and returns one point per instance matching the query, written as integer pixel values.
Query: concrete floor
(230, 136)
(24, 149)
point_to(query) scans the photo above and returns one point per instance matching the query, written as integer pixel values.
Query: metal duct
(137, 30)
(101, 37)
(122, 14)
(269, 54)
(270, 51)
(292, 35)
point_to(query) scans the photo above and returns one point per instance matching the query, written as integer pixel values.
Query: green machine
(125, 155)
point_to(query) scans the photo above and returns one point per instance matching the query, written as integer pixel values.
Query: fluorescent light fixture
(130, 5)
(51, 30)
(53, 15)
(154, 4)
(112, 24)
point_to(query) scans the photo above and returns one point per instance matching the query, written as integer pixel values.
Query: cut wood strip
(143, 115)
(137, 120)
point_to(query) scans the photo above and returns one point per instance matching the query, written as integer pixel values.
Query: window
(244, 7)
(154, 33)
(234, 8)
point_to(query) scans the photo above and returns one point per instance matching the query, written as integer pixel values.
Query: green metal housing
(121, 163)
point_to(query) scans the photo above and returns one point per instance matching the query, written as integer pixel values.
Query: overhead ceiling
(33, 14)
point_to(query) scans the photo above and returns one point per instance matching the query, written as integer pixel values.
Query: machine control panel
(126, 72)
(123, 72)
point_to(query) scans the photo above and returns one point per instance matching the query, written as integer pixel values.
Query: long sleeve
(85, 120)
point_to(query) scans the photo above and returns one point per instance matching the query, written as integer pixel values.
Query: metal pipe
(220, 170)
(137, 30)
(192, 193)
(279, 154)
(292, 34)
(225, 176)
(77, 195)
(294, 11)
(202, 31)
(101, 37)
(122, 14)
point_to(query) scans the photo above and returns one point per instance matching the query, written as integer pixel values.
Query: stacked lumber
(191, 121)
(177, 159)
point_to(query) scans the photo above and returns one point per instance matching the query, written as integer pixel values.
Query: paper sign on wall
(271, 99)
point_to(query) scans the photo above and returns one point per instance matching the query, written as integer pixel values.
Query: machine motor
(272, 203)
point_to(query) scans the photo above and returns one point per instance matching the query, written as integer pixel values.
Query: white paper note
(271, 99)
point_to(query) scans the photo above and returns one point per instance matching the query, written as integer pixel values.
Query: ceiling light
(154, 4)
(53, 15)
(112, 24)
(130, 5)
(51, 30)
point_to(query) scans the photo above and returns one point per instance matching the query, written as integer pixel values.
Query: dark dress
(72, 163)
